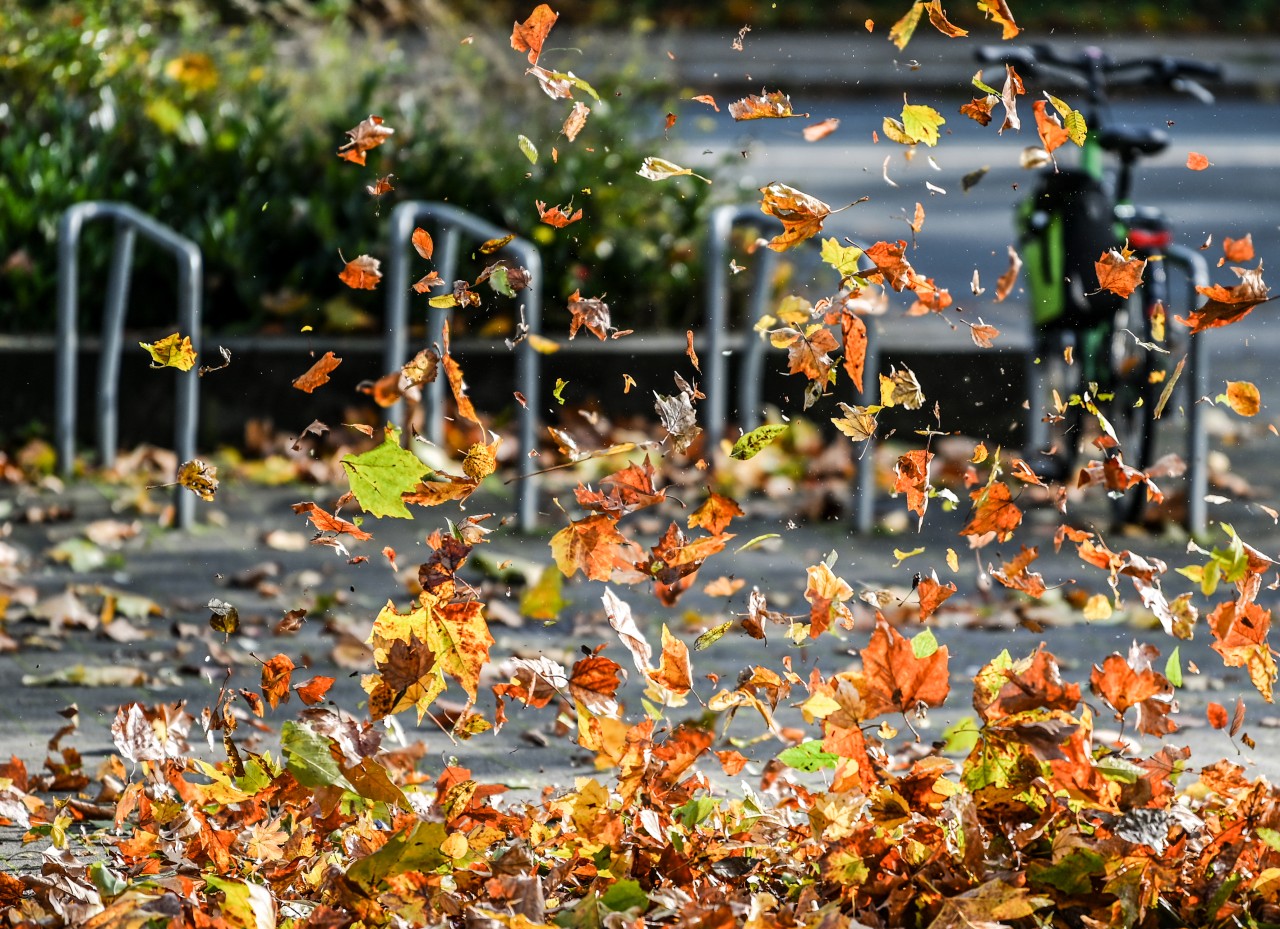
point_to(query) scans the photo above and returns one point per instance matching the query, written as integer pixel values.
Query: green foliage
(229, 134)
(379, 476)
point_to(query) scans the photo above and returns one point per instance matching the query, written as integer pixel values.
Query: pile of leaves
(1024, 815)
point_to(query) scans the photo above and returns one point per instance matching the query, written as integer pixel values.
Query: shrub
(228, 133)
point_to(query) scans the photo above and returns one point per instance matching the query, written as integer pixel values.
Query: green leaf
(749, 445)
(545, 599)
(1270, 836)
(901, 31)
(923, 644)
(960, 737)
(500, 283)
(711, 636)
(1173, 667)
(418, 851)
(1120, 769)
(308, 758)
(80, 555)
(529, 149)
(983, 86)
(1072, 874)
(691, 813)
(808, 756)
(844, 258)
(625, 895)
(379, 476)
(1072, 120)
(107, 881)
(558, 393)
(921, 123)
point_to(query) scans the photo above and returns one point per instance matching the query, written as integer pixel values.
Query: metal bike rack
(451, 222)
(1196, 269)
(723, 221)
(129, 222)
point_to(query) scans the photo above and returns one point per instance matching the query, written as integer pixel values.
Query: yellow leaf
(953, 561)
(455, 846)
(1243, 398)
(1097, 607)
(173, 351)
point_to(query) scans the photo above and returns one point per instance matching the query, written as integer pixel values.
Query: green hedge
(229, 134)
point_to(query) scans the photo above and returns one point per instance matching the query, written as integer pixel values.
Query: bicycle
(1101, 354)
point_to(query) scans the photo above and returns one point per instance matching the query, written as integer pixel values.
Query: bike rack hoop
(451, 222)
(130, 222)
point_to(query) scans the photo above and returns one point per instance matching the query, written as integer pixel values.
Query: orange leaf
(821, 130)
(1227, 305)
(979, 108)
(593, 546)
(801, 215)
(275, 680)
(1240, 637)
(827, 595)
(732, 761)
(1125, 683)
(1119, 273)
(532, 33)
(911, 476)
(326, 522)
(807, 355)
(1032, 683)
(556, 216)
(993, 511)
(313, 691)
(629, 490)
(708, 100)
(453, 372)
(715, 514)
(318, 374)
(898, 681)
(1197, 162)
(1014, 574)
(594, 682)
(776, 105)
(689, 351)
(853, 332)
(1238, 249)
(932, 595)
(675, 673)
(361, 273)
(891, 268)
(422, 243)
(1217, 715)
(368, 135)
(1052, 135)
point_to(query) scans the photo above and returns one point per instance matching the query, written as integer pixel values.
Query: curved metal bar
(451, 222)
(1197, 271)
(129, 222)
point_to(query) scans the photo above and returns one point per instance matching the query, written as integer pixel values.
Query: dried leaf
(367, 135)
(1119, 273)
(422, 243)
(318, 374)
(556, 216)
(530, 35)
(800, 214)
(821, 130)
(361, 273)
(776, 105)
(173, 351)
(200, 478)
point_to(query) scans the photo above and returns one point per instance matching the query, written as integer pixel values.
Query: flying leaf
(750, 443)
(556, 216)
(659, 169)
(940, 22)
(678, 418)
(999, 11)
(1072, 120)
(173, 351)
(530, 35)
(326, 522)
(1217, 715)
(708, 100)
(776, 105)
(361, 273)
(1197, 162)
(367, 135)
(715, 514)
(591, 313)
(318, 374)
(932, 595)
(858, 422)
(900, 388)
(276, 674)
(821, 130)
(1238, 249)
(1052, 135)
(1243, 398)
(200, 478)
(422, 244)
(1004, 286)
(313, 691)
(527, 148)
(919, 124)
(982, 334)
(1227, 305)
(911, 476)
(993, 512)
(1132, 682)
(593, 546)
(623, 492)
(674, 674)
(898, 681)
(979, 110)
(900, 33)
(576, 119)
(1016, 575)
(378, 477)
(800, 214)
(1119, 273)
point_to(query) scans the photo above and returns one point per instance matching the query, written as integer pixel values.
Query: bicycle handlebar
(1090, 66)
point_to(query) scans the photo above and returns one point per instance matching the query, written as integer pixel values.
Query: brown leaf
(594, 682)
(593, 546)
(313, 691)
(628, 490)
(708, 100)
(821, 130)
(530, 35)
(993, 511)
(675, 672)
(1015, 575)
(911, 476)
(428, 282)
(982, 334)
(361, 273)
(1125, 683)
(276, 674)
(979, 108)
(367, 135)
(318, 374)
(715, 514)
(1119, 273)
(1004, 286)
(591, 312)
(692, 355)
(576, 119)
(381, 186)
(1238, 249)
(1217, 715)
(932, 595)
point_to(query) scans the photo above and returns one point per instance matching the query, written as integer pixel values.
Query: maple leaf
(173, 351)
(678, 418)
(932, 594)
(1006, 688)
(593, 546)
(1119, 272)
(530, 35)
(858, 422)
(380, 476)
(534, 681)
(919, 123)
(1125, 683)
(764, 105)
(367, 135)
(556, 216)
(1052, 134)
(807, 351)
(594, 683)
(895, 679)
(999, 11)
(326, 522)
(628, 490)
(993, 512)
(801, 215)
(979, 108)
(900, 388)
(1227, 305)
(361, 273)
(1237, 249)
(675, 560)
(1240, 637)
(673, 678)
(1014, 574)
(313, 691)
(715, 513)
(890, 267)
(407, 677)
(593, 313)
(318, 374)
